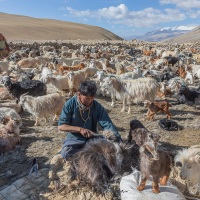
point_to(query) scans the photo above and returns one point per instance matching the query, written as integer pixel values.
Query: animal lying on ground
(43, 106)
(153, 162)
(189, 96)
(96, 163)
(9, 134)
(155, 107)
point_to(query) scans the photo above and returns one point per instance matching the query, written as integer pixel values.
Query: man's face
(85, 100)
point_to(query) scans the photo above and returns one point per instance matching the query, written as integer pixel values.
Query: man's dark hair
(88, 88)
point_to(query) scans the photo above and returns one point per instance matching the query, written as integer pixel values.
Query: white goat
(189, 162)
(136, 90)
(59, 82)
(43, 106)
(75, 78)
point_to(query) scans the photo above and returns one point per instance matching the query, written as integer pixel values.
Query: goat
(74, 79)
(186, 95)
(59, 82)
(33, 87)
(11, 112)
(98, 161)
(164, 90)
(155, 107)
(188, 160)
(136, 90)
(152, 161)
(9, 135)
(43, 106)
(80, 66)
(14, 106)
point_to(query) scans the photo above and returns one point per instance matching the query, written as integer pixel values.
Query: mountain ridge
(19, 27)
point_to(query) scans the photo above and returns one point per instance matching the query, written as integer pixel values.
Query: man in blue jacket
(79, 118)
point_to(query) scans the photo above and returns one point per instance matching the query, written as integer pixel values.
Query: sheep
(33, 87)
(136, 90)
(43, 106)
(9, 135)
(188, 160)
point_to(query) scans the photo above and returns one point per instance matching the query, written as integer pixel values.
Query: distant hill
(23, 28)
(190, 37)
(163, 33)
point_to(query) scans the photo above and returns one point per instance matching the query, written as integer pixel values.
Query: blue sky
(122, 17)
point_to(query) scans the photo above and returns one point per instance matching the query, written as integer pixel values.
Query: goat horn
(24, 94)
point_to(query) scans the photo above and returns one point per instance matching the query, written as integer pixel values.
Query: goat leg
(36, 122)
(142, 184)
(155, 186)
(163, 180)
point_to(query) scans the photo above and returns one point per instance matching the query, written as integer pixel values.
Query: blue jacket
(96, 114)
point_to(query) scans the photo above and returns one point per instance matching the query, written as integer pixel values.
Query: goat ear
(6, 119)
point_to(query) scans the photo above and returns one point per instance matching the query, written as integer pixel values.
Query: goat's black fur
(96, 164)
(190, 95)
(32, 87)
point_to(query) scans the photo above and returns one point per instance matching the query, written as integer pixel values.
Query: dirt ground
(44, 141)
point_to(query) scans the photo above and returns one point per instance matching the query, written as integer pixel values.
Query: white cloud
(121, 15)
(185, 4)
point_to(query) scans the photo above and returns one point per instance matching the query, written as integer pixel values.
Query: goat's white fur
(43, 106)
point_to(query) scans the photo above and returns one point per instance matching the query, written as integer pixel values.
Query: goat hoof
(156, 191)
(140, 188)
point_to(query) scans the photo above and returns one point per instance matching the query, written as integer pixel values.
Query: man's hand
(86, 133)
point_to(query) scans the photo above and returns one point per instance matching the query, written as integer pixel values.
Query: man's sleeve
(105, 121)
(66, 114)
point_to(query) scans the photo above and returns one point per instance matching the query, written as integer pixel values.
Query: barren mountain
(190, 37)
(23, 28)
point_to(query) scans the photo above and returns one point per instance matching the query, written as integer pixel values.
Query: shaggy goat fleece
(96, 163)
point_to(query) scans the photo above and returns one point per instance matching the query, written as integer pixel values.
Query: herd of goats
(130, 71)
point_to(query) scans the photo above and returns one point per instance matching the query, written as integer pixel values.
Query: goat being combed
(96, 163)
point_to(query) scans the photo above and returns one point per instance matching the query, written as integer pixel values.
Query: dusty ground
(45, 141)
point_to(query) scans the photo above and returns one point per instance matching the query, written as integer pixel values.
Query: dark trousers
(72, 146)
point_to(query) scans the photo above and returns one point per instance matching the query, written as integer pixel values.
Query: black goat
(96, 164)
(32, 87)
(171, 60)
(188, 96)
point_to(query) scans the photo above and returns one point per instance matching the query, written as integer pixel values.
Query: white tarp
(129, 184)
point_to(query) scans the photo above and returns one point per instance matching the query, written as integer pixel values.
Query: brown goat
(9, 134)
(80, 66)
(153, 162)
(155, 107)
